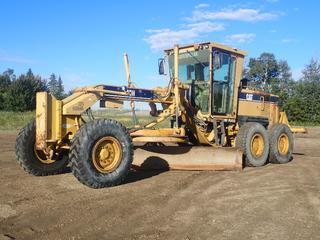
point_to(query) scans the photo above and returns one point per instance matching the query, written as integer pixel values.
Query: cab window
(223, 82)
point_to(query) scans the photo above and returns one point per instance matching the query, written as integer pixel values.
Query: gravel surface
(270, 202)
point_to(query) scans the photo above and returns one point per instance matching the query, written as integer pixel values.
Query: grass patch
(304, 124)
(17, 120)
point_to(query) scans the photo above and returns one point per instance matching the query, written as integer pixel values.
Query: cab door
(223, 82)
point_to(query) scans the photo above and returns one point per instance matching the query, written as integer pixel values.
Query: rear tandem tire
(281, 144)
(26, 157)
(253, 141)
(101, 153)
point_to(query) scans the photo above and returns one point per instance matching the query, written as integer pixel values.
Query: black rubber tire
(26, 157)
(81, 153)
(243, 141)
(274, 133)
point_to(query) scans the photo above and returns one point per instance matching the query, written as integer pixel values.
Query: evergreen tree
(53, 84)
(5, 82)
(60, 89)
(10, 73)
(21, 95)
(29, 74)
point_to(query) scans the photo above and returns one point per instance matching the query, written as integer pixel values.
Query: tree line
(299, 98)
(19, 93)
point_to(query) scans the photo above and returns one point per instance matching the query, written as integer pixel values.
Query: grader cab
(217, 123)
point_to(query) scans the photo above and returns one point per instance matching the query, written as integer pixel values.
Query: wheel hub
(257, 145)
(283, 144)
(106, 154)
(42, 157)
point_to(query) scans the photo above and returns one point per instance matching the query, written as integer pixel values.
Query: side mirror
(216, 60)
(161, 64)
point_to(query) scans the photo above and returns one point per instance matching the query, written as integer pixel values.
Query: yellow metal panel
(41, 119)
(48, 120)
(284, 120)
(274, 114)
(69, 126)
(113, 104)
(52, 121)
(80, 103)
(58, 118)
(159, 139)
(164, 132)
(254, 108)
(298, 130)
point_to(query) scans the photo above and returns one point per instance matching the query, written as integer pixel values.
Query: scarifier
(217, 123)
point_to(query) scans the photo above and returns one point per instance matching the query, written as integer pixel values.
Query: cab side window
(223, 82)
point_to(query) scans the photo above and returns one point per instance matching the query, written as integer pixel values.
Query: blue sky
(84, 41)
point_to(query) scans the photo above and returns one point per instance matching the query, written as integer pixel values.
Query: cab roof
(196, 46)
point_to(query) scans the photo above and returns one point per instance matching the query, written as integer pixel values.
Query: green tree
(283, 84)
(271, 75)
(10, 73)
(60, 93)
(303, 105)
(21, 95)
(5, 81)
(263, 71)
(311, 80)
(55, 86)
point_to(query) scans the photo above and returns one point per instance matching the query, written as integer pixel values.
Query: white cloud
(288, 40)
(241, 14)
(202, 5)
(164, 38)
(205, 27)
(240, 38)
(204, 20)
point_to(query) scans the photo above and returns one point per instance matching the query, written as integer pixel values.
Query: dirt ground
(270, 202)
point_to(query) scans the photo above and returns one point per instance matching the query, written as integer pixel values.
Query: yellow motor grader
(217, 123)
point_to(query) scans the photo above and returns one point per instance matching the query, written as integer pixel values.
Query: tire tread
(77, 163)
(26, 161)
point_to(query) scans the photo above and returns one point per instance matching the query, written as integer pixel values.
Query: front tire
(253, 141)
(34, 161)
(281, 144)
(101, 153)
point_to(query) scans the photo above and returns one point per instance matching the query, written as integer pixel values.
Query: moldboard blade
(187, 158)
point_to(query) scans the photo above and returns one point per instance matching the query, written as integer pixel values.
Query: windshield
(193, 66)
(194, 70)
